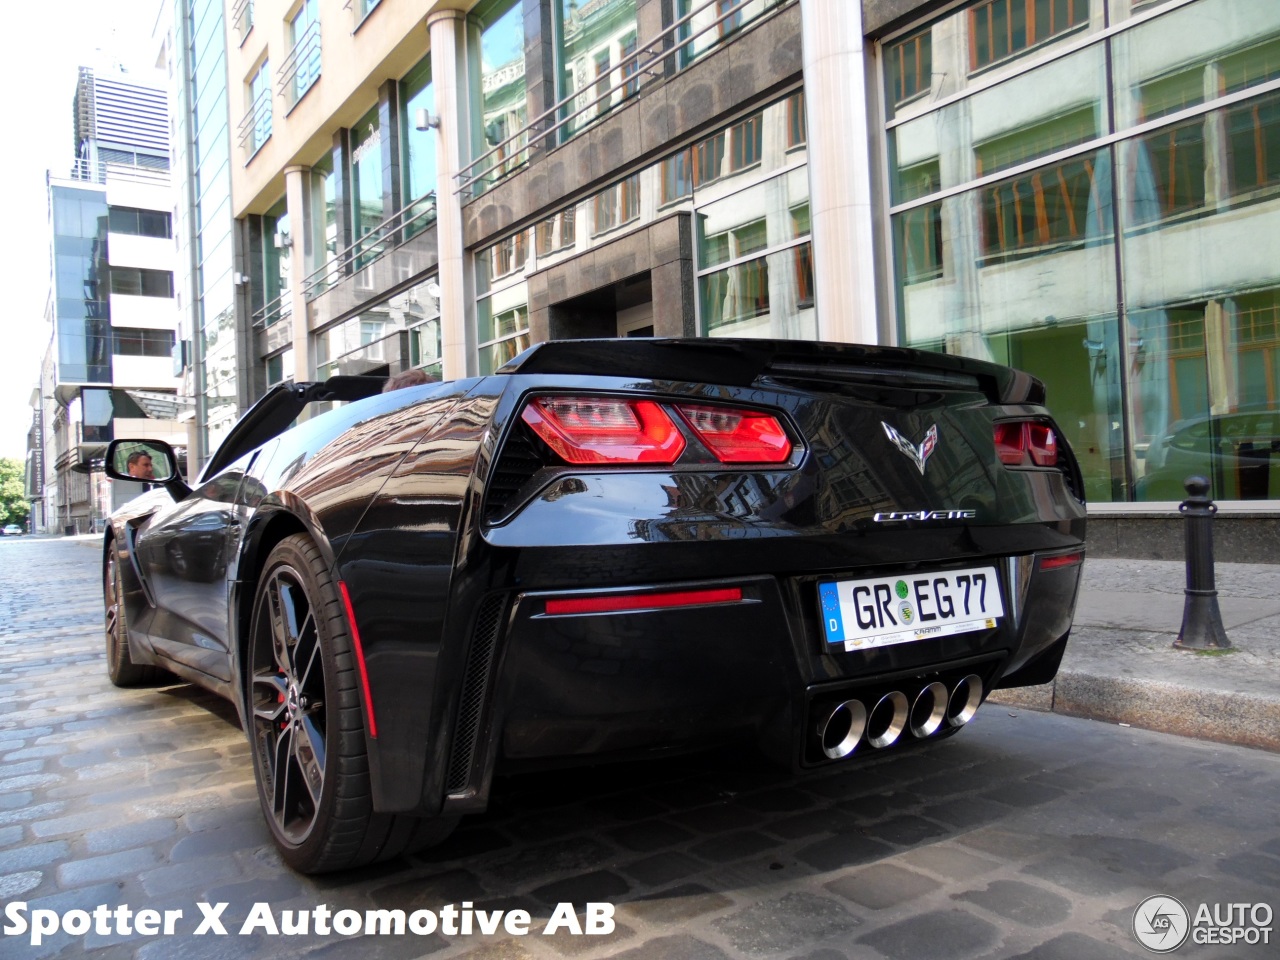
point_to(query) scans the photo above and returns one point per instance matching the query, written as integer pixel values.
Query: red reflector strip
(643, 601)
(364, 674)
(1062, 560)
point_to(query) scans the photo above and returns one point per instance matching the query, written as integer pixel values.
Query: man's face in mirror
(140, 466)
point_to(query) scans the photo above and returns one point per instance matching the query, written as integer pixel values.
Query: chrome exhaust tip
(929, 710)
(840, 734)
(888, 719)
(965, 699)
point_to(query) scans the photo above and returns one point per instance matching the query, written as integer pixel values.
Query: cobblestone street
(1028, 835)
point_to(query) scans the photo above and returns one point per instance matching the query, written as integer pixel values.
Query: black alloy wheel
(289, 704)
(307, 724)
(121, 669)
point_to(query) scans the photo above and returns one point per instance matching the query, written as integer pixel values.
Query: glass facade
(594, 42)
(82, 317)
(277, 265)
(418, 142)
(496, 30)
(203, 135)
(708, 22)
(1089, 190)
(366, 178)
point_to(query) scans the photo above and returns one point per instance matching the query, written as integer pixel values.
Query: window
(630, 68)
(591, 39)
(366, 180)
(617, 205)
(745, 140)
(139, 282)
(303, 61)
(677, 177)
(909, 67)
(797, 132)
(142, 343)
(708, 159)
(367, 6)
(1253, 147)
(556, 233)
(140, 223)
(999, 29)
(256, 126)
(730, 10)
(802, 257)
(324, 212)
(502, 107)
(418, 143)
(503, 258)
(242, 18)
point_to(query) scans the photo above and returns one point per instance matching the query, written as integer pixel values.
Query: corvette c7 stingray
(607, 549)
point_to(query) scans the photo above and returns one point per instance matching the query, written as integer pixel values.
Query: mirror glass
(139, 460)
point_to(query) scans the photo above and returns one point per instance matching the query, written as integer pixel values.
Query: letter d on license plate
(881, 611)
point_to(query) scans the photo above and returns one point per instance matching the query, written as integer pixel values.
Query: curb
(1242, 719)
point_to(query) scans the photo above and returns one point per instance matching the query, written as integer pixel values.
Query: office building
(108, 370)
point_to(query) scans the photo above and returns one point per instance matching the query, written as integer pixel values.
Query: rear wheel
(307, 729)
(120, 666)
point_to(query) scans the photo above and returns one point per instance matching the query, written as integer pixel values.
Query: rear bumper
(549, 688)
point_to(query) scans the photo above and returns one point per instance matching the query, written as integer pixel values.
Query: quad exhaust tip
(965, 699)
(847, 723)
(929, 711)
(888, 719)
(842, 731)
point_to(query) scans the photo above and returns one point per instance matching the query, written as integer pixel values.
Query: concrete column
(448, 56)
(840, 201)
(299, 223)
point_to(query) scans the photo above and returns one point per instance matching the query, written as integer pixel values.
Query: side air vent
(475, 682)
(522, 456)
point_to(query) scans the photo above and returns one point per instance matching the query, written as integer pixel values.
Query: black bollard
(1201, 619)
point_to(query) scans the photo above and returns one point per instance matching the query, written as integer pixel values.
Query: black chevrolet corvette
(607, 549)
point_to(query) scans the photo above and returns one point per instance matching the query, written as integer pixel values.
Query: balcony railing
(255, 127)
(386, 236)
(242, 17)
(100, 172)
(645, 60)
(302, 67)
(272, 312)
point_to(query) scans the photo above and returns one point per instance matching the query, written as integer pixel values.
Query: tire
(307, 728)
(120, 666)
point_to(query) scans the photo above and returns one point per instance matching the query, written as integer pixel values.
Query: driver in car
(140, 466)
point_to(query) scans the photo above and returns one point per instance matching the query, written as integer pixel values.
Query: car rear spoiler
(743, 362)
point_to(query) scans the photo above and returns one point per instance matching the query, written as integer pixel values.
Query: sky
(41, 48)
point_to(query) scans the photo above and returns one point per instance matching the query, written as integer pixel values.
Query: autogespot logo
(1161, 924)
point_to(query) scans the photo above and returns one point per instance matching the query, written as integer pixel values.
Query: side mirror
(145, 461)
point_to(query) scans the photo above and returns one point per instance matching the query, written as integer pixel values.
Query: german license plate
(881, 611)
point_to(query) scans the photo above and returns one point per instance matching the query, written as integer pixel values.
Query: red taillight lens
(1020, 441)
(605, 429)
(738, 436)
(1009, 443)
(1042, 444)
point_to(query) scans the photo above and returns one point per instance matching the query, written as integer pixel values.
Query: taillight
(738, 436)
(605, 429)
(1026, 443)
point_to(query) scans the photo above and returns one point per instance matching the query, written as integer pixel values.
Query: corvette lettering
(897, 516)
